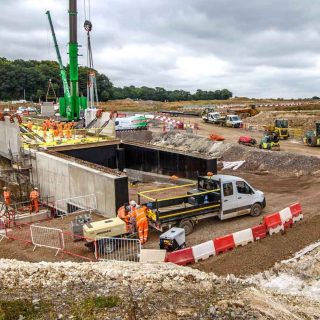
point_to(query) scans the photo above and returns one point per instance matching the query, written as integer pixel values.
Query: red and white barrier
(203, 251)
(259, 232)
(243, 237)
(181, 257)
(224, 244)
(296, 212)
(272, 223)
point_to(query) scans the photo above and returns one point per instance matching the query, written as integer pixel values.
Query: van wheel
(187, 225)
(256, 210)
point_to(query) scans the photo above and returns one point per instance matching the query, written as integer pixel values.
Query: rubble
(162, 290)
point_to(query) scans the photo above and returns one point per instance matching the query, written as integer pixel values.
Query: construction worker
(123, 214)
(132, 217)
(141, 223)
(34, 199)
(6, 196)
(29, 124)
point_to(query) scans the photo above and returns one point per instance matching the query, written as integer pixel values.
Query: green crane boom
(63, 72)
(71, 103)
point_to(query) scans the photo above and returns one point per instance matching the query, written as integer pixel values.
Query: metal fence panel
(118, 249)
(87, 203)
(47, 237)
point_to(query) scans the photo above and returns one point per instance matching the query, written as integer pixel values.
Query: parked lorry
(210, 116)
(230, 121)
(312, 138)
(224, 196)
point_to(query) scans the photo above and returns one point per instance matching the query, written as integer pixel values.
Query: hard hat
(133, 203)
(4, 188)
(35, 188)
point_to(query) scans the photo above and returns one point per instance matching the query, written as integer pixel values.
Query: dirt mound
(190, 143)
(281, 163)
(304, 120)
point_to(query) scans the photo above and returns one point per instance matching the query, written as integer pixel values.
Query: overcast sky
(255, 48)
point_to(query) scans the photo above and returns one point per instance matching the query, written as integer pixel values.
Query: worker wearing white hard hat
(133, 207)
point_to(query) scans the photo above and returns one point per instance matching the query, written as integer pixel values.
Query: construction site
(158, 210)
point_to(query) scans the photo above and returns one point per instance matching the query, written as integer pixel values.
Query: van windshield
(235, 118)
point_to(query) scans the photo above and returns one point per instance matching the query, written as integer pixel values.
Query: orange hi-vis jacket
(122, 214)
(34, 195)
(6, 196)
(140, 215)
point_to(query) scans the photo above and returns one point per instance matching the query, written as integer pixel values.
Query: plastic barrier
(259, 232)
(273, 223)
(288, 224)
(296, 212)
(181, 257)
(285, 215)
(243, 237)
(203, 251)
(224, 244)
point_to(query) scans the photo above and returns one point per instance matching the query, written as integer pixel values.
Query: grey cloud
(268, 47)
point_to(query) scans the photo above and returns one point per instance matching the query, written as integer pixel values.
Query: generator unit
(112, 227)
(173, 239)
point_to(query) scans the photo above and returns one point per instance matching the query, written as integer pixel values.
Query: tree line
(19, 78)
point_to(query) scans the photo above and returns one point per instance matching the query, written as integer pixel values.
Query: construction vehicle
(280, 127)
(312, 138)
(270, 141)
(231, 120)
(71, 104)
(210, 116)
(245, 112)
(223, 196)
(131, 123)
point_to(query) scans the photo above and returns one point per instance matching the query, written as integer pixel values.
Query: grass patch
(85, 309)
(14, 309)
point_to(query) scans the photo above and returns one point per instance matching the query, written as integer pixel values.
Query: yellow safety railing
(142, 193)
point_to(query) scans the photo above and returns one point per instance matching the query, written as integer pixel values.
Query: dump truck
(312, 138)
(223, 196)
(231, 120)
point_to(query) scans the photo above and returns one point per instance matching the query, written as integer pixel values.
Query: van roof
(223, 177)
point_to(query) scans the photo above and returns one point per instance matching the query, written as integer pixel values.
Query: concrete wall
(64, 179)
(9, 137)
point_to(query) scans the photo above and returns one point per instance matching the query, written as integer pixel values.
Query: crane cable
(92, 84)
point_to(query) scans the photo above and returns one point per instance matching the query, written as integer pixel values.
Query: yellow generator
(105, 228)
(105, 233)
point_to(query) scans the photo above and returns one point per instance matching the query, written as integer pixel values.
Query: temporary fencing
(272, 223)
(47, 237)
(52, 238)
(18, 231)
(86, 203)
(118, 249)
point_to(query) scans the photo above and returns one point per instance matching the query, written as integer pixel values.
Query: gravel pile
(281, 163)
(190, 143)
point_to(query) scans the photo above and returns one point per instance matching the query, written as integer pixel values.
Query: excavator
(312, 138)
